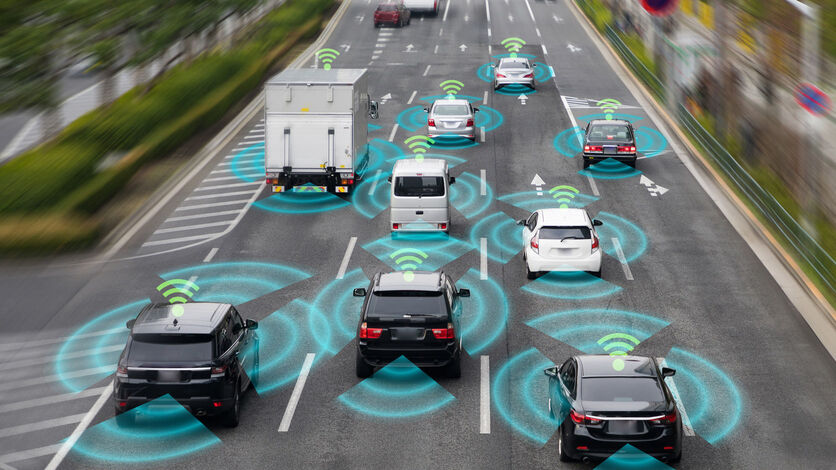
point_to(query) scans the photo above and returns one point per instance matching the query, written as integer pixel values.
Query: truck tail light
(593, 149)
(370, 333)
(396, 226)
(445, 333)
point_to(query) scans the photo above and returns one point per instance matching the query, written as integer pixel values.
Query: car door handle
(419, 212)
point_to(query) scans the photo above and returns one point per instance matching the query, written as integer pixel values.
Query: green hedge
(62, 174)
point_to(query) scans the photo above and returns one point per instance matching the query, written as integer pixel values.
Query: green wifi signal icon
(608, 106)
(513, 45)
(451, 87)
(614, 345)
(563, 195)
(178, 291)
(419, 144)
(326, 56)
(408, 260)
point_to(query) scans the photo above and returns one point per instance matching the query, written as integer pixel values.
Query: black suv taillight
(445, 333)
(370, 333)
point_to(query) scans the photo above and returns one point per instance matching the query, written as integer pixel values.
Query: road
(754, 380)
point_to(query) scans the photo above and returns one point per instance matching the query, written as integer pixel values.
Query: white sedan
(561, 240)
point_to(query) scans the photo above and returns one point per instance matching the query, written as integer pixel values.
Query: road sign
(813, 99)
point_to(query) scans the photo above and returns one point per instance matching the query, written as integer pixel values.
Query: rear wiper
(420, 315)
(572, 238)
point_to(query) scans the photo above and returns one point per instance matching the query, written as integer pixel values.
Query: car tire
(595, 273)
(125, 419)
(233, 416)
(453, 370)
(256, 371)
(585, 163)
(563, 456)
(409, 20)
(632, 164)
(363, 369)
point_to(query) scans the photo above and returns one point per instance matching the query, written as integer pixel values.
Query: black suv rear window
(399, 303)
(414, 186)
(171, 348)
(559, 233)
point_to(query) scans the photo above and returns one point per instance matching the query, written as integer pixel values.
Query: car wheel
(125, 419)
(564, 457)
(256, 372)
(364, 370)
(595, 273)
(233, 416)
(585, 163)
(632, 163)
(454, 368)
(408, 21)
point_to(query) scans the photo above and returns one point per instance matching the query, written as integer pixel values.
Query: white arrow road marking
(346, 47)
(385, 98)
(538, 183)
(557, 19)
(653, 188)
(575, 49)
(410, 47)
(463, 47)
(522, 99)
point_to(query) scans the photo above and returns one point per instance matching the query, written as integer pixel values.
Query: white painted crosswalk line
(50, 400)
(226, 186)
(201, 216)
(171, 241)
(214, 204)
(41, 425)
(192, 227)
(214, 196)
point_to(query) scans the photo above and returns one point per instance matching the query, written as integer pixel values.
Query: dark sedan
(605, 402)
(609, 138)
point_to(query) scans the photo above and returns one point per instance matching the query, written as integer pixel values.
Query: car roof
(196, 318)
(564, 216)
(601, 365)
(447, 101)
(418, 280)
(430, 166)
(610, 121)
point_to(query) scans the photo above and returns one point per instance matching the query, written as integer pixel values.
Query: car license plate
(451, 125)
(610, 150)
(625, 427)
(168, 376)
(406, 334)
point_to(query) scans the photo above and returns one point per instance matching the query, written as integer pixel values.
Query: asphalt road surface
(753, 379)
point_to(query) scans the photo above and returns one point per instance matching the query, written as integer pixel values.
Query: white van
(420, 195)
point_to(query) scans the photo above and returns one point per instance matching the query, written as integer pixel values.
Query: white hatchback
(561, 240)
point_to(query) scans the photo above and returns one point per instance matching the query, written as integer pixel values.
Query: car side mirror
(597, 222)
(389, 179)
(520, 222)
(551, 372)
(534, 65)
(360, 292)
(426, 109)
(668, 372)
(475, 109)
(252, 324)
(373, 111)
(464, 292)
(130, 323)
(452, 179)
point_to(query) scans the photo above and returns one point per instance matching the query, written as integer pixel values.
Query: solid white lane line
(485, 395)
(488, 10)
(593, 185)
(346, 257)
(446, 9)
(485, 100)
(483, 181)
(569, 112)
(43, 342)
(200, 216)
(435, 49)
(49, 358)
(213, 196)
(537, 30)
(530, 12)
(618, 251)
(297, 393)
(170, 241)
(214, 204)
(88, 418)
(13, 385)
(29, 454)
(686, 421)
(545, 51)
(36, 402)
(41, 425)
(192, 227)
(212, 253)
(427, 70)
(482, 136)
(412, 96)
(226, 186)
(376, 179)
(394, 130)
(483, 258)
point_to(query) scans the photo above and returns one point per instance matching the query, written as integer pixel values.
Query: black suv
(412, 314)
(609, 139)
(196, 352)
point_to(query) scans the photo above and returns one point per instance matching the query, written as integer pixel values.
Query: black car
(605, 402)
(412, 314)
(609, 139)
(196, 352)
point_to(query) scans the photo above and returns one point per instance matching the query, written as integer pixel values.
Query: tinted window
(621, 389)
(171, 348)
(610, 132)
(413, 186)
(451, 110)
(532, 221)
(237, 323)
(398, 303)
(559, 233)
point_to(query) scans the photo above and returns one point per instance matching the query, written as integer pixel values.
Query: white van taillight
(535, 243)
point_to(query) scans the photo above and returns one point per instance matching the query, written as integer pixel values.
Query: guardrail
(800, 241)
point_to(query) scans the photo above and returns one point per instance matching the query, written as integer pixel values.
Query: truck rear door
(309, 144)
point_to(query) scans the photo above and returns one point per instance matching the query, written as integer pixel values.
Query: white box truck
(316, 128)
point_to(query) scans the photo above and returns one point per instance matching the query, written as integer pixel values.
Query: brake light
(530, 75)
(370, 333)
(218, 370)
(123, 404)
(578, 418)
(445, 333)
(593, 148)
(347, 181)
(442, 226)
(667, 419)
(122, 370)
(395, 226)
(535, 243)
(470, 122)
(499, 75)
(595, 243)
(583, 448)
(431, 122)
(217, 404)
(626, 149)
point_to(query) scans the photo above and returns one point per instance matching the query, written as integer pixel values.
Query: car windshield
(171, 348)
(400, 303)
(610, 132)
(514, 64)
(560, 233)
(414, 186)
(387, 7)
(626, 389)
(451, 110)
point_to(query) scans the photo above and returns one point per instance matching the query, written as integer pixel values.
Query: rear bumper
(514, 81)
(421, 357)
(387, 20)
(604, 448)
(468, 132)
(599, 157)
(198, 399)
(540, 263)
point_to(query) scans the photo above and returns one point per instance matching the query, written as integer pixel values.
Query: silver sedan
(513, 71)
(451, 117)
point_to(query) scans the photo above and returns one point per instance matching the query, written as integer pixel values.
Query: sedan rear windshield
(559, 233)
(451, 110)
(610, 133)
(399, 303)
(387, 7)
(414, 186)
(514, 64)
(627, 389)
(171, 348)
